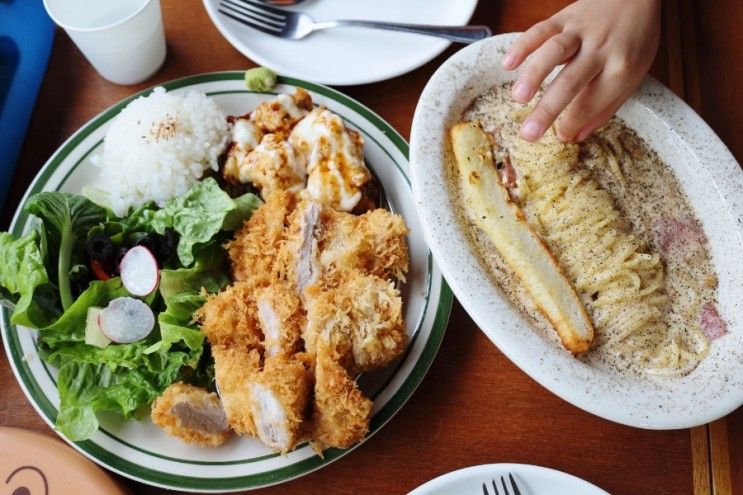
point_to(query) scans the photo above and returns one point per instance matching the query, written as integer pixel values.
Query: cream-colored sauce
(290, 106)
(246, 135)
(645, 191)
(336, 172)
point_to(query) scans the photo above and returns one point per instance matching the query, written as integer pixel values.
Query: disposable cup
(123, 39)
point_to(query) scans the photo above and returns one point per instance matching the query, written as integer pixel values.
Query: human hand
(607, 47)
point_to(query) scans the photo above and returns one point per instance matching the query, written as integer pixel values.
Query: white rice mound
(159, 146)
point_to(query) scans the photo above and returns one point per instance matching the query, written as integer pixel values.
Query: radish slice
(126, 320)
(139, 272)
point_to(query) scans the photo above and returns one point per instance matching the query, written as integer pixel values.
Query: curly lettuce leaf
(200, 214)
(123, 378)
(245, 205)
(174, 330)
(182, 289)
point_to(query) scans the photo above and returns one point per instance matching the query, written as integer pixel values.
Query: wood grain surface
(474, 406)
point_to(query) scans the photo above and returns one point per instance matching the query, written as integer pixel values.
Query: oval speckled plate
(711, 179)
(142, 451)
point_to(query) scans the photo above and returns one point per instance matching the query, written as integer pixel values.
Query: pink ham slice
(679, 238)
(508, 176)
(507, 172)
(712, 324)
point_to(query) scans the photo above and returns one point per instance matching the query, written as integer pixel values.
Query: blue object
(26, 36)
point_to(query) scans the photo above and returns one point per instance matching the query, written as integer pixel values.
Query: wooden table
(474, 406)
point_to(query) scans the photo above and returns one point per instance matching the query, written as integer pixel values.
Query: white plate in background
(530, 480)
(348, 56)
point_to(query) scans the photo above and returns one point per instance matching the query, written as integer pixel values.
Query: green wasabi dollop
(260, 79)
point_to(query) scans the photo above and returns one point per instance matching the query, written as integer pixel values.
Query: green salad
(63, 278)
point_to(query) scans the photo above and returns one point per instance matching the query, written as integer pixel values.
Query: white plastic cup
(122, 39)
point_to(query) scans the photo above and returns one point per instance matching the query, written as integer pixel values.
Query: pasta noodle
(618, 279)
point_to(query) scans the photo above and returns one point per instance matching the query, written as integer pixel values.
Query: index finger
(529, 41)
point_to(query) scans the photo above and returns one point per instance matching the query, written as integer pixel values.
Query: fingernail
(508, 61)
(521, 92)
(530, 130)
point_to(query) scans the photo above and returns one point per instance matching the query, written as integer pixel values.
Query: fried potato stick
(491, 209)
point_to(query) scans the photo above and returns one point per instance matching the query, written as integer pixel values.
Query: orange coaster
(35, 464)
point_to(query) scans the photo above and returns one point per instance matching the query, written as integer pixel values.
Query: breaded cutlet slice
(281, 318)
(324, 245)
(192, 414)
(230, 317)
(280, 396)
(341, 413)
(366, 311)
(254, 249)
(373, 243)
(234, 367)
(297, 260)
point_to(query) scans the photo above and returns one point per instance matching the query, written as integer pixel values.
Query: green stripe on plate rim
(128, 468)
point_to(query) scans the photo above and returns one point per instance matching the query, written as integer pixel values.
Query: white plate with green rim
(140, 450)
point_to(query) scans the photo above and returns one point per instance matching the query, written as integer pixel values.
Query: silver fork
(296, 25)
(514, 486)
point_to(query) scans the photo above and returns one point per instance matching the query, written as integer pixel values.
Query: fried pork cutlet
(279, 398)
(290, 258)
(192, 414)
(373, 243)
(360, 322)
(297, 260)
(234, 367)
(231, 324)
(257, 243)
(230, 318)
(341, 413)
(281, 318)
(326, 244)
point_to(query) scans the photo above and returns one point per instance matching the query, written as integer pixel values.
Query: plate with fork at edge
(528, 479)
(342, 57)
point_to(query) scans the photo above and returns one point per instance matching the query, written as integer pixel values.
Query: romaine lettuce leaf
(67, 218)
(86, 388)
(22, 271)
